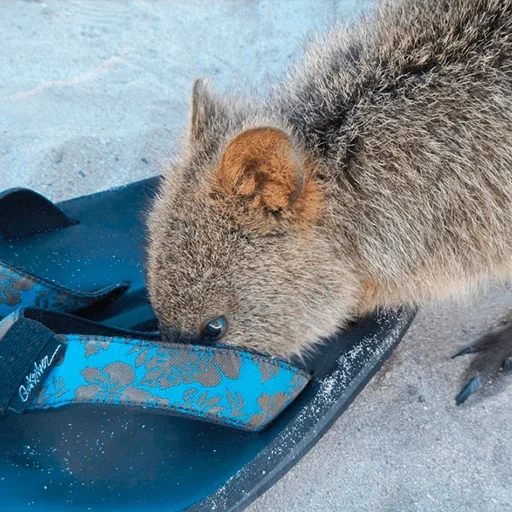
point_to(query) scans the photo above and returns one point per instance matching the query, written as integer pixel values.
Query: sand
(94, 94)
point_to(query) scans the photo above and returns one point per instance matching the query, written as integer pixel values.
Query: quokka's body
(410, 118)
(377, 173)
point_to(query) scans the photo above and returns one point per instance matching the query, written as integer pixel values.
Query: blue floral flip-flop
(98, 418)
(83, 256)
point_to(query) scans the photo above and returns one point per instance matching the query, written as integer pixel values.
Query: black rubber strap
(28, 351)
(24, 212)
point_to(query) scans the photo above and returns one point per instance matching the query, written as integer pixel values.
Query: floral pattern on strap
(18, 289)
(216, 384)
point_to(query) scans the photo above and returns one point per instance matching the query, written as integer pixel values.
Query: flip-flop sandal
(97, 418)
(83, 256)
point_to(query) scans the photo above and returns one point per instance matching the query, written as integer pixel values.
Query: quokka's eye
(215, 328)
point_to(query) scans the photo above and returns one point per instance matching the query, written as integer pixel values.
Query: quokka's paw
(493, 352)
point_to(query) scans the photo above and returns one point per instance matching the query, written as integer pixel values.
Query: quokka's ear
(204, 109)
(263, 167)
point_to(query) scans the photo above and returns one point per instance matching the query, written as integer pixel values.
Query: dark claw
(470, 349)
(492, 353)
(471, 387)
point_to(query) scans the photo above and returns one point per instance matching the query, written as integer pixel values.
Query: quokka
(377, 173)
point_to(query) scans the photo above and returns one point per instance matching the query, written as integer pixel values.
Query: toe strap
(216, 384)
(19, 289)
(24, 212)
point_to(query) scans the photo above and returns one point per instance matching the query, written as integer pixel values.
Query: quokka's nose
(170, 334)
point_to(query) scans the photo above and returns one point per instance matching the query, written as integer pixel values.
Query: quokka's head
(237, 250)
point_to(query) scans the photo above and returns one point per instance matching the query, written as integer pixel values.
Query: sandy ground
(94, 94)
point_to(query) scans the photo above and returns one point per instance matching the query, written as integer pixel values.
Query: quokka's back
(410, 116)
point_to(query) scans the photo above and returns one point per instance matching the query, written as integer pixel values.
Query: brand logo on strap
(32, 380)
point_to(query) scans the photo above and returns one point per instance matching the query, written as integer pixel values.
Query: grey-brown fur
(406, 119)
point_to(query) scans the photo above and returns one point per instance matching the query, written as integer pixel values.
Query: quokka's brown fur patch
(402, 126)
(261, 166)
